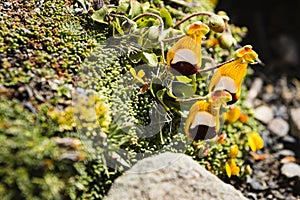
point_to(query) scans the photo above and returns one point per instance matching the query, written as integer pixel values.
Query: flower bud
(226, 40)
(153, 33)
(216, 23)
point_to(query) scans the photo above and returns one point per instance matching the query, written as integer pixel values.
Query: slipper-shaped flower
(203, 121)
(185, 58)
(229, 77)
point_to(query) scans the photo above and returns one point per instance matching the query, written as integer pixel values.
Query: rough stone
(171, 176)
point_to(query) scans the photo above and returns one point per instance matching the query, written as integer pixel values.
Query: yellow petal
(185, 43)
(132, 71)
(251, 143)
(228, 169)
(234, 151)
(196, 107)
(247, 54)
(198, 30)
(243, 118)
(141, 73)
(255, 141)
(235, 170)
(233, 114)
(258, 140)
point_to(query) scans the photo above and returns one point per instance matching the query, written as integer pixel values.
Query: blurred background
(273, 31)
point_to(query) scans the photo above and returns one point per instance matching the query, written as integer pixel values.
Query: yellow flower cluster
(255, 141)
(230, 166)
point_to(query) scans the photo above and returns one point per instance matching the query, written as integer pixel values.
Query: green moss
(33, 164)
(73, 74)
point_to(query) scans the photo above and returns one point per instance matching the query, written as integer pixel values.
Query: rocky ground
(275, 95)
(276, 169)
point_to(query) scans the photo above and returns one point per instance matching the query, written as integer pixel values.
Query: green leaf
(183, 79)
(117, 26)
(170, 33)
(166, 16)
(182, 90)
(135, 9)
(160, 96)
(152, 10)
(99, 15)
(135, 57)
(145, 22)
(146, 5)
(170, 101)
(150, 58)
(123, 6)
(155, 85)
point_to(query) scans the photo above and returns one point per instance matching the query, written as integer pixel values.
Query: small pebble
(295, 120)
(278, 195)
(279, 126)
(281, 111)
(256, 185)
(290, 170)
(284, 153)
(264, 114)
(272, 184)
(252, 196)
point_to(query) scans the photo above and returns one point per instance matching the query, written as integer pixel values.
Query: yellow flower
(234, 150)
(64, 118)
(233, 114)
(229, 76)
(138, 76)
(231, 168)
(255, 141)
(203, 119)
(185, 58)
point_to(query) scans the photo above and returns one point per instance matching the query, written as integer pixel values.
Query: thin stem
(173, 38)
(212, 61)
(120, 16)
(194, 84)
(160, 31)
(192, 99)
(215, 67)
(193, 15)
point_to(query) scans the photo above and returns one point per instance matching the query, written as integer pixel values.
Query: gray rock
(264, 114)
(290, 170)
(279, 126)
(170, 176)
(295, 122)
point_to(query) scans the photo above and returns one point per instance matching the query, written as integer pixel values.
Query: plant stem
(161, 26)
(121, 16)
(215, 67)
(192, 99)
(173, 38)
(193, 15)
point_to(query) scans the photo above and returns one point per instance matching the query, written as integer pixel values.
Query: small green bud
(153, 33)
(216, 23)
(226, 40)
